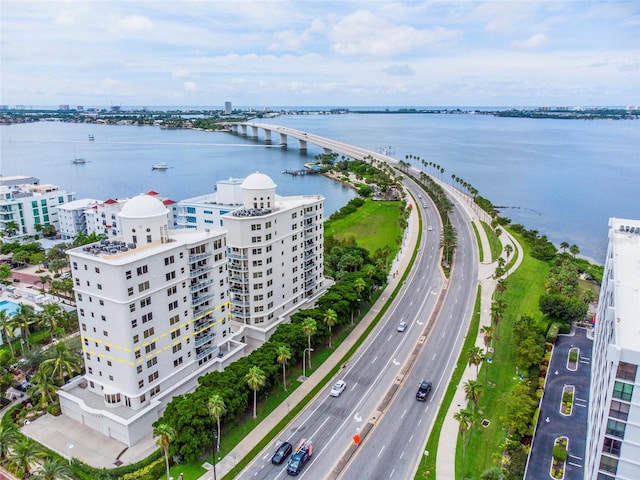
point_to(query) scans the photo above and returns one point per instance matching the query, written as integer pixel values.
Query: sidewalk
(400, 263)
(445, 458)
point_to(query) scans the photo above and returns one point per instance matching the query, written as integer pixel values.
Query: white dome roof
(258, 181)
(143, 206)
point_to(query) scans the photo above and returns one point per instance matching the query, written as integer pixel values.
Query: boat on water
(79, 161)
(160, 166)
(91, 138)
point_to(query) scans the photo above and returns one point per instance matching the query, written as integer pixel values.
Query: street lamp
(304, 356)
(69, 447)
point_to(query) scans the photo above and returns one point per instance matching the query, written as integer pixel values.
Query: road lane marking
(403, 414)
(373, 361)
(381, 450)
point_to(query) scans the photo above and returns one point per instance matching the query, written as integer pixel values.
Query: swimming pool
(10, 307)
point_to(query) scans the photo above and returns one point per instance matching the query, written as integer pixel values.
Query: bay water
(564, 178)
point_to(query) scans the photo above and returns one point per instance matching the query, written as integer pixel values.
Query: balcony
(194, 287)
(200, 271)
(200, 299)
(237, 256)
(237, 300)
(204, 338)
(204, 352)
(199, 256)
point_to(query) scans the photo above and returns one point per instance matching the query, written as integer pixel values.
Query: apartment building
(275, 247)
(102, 218)
(205, 211)
(613, 428)
(26, 206)
(153, 308)
(72, 218)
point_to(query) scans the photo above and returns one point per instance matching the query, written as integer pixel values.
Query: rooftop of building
(81, 203)
(625, 236)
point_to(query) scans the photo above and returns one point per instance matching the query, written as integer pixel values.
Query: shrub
(53, 409)
(552, 333)
(567, 397)
(573, 356)
(559, 453)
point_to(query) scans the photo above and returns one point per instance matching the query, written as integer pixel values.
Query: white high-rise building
(72, 218)
(153, 308)
(276, 256)
(25, 206)
(613, 427)
(227, 108)
(205, 212)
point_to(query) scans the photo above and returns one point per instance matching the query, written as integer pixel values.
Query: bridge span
(285, 133)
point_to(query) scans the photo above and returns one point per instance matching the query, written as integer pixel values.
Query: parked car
(338, 388)
(423, 390)
(282, 453)
(402, 326)
(23, 386)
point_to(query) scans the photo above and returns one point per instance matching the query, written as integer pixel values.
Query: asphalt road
(397, 443)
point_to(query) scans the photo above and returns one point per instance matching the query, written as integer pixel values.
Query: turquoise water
(9, 307)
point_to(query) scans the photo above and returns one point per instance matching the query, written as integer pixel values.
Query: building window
(627, 371)
(150, 348)
(147, 317)
(172, 290)
(149, 332)
(257, 239)
(140, 383)
(175, 319)
(155, 390)
(109, 363)
(132, 307)
(177, 361)
(143, 286)
(142, 270)
(177, 348)
(136, 339)
(169, 260)
(623, 391)
(173, 305)
(151, 362)
(175, 334)
(615, 428)
(611, 446)
(130, 291)
(128, 274)
(137, 353)
(145, 302)
(153, 376)
(170, 275)
(619, 410)
(608, 464)
(139, 369)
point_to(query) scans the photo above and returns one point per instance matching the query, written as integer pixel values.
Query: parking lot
(552, 423)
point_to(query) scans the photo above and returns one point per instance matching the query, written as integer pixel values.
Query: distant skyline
(319, 53)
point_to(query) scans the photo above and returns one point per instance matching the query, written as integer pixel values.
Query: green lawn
(374, 225)
(523, 289)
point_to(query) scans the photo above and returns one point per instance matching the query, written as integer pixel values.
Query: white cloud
(399, 69)
(535, 40)
(189, 86)
(134, 24)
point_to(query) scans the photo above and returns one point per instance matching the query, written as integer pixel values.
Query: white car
(402, 326)
(338, 388)
(430, 228)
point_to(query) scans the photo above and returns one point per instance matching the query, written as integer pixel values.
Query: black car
(282, 453)
(423, 390)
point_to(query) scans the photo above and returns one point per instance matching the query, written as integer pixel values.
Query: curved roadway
(379, 402)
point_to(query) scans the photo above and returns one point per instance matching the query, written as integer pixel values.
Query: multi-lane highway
(379, 401)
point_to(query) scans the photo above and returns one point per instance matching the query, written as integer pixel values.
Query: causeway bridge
(284, 134)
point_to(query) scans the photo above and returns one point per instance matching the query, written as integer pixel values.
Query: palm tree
(487, 330)
(51, 315)
(474, 357)
(166, 434)
(564, 246)
(8, 436)
(473, 391)
(330, 318)
(43, 385)
(283, 355)
(309, 328)
(216, 408)
(23, 317)
(574, 250)
(43, 280)
(62, 361)
(465, 421)
(24, 453)
(7, 328)
(508, 250)
(256, 379)
(53, 469)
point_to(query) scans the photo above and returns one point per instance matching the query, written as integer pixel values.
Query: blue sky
(319, 53)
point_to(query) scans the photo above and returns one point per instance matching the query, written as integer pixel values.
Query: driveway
(552, 423)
